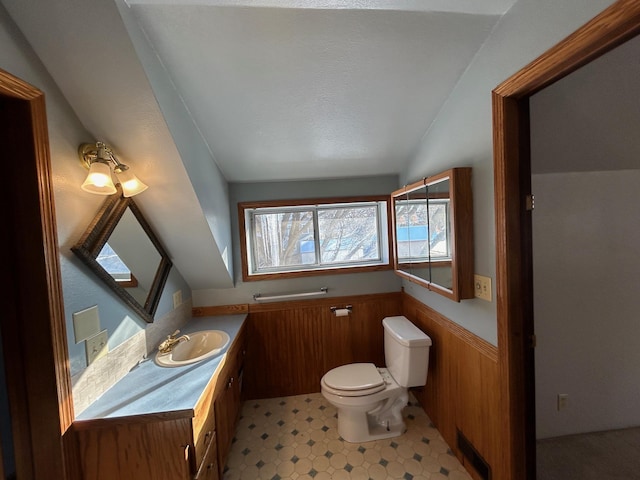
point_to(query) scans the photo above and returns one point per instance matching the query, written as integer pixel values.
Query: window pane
(113, 264)
(348, 234)
(309, 237)
(283, 239)
(439, 238)
(411, 230)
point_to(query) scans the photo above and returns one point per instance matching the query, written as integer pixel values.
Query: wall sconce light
(98, 158)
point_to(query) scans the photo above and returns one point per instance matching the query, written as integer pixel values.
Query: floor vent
(470, 453)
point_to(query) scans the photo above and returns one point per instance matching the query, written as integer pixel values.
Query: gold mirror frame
(97, 235)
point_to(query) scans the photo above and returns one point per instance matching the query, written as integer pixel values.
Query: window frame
(384, 233)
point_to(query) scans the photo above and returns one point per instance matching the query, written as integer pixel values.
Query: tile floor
(297, 438)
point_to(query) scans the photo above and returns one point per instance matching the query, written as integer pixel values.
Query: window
(422, 231)
(114, 266)
(310, 237)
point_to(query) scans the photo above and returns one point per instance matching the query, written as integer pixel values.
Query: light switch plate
(86, 323)
(96, 347)
(482, 287)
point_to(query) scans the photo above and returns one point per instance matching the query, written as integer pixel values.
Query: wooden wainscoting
(291, 345)
(463, 389)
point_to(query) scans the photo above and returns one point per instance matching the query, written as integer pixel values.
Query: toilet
(370, 399)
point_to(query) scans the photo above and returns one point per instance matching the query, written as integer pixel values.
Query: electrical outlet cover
(563, 401)
(482, 287)
(96, 347)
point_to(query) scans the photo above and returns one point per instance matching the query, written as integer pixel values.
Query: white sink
(200, 346)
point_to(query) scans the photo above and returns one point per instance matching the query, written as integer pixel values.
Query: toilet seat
(354, 380)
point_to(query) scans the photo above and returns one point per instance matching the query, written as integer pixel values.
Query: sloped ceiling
(273, 89)
(590, 120)
(282, 94)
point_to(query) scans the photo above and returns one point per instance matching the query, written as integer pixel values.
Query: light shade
(99, 179)
(100, 160)
(131, 185)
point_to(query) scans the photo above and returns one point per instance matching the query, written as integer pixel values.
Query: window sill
(255, 277)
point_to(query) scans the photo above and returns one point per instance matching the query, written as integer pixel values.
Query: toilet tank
(406, 351)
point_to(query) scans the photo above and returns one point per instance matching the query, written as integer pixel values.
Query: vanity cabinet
(190, 444)
(136, 448)
(149, 447)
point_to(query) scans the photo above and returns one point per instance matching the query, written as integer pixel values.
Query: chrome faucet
(172, 341)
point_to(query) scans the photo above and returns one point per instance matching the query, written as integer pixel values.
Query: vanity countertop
(150, 389)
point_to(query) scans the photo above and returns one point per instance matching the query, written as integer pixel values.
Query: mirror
(411, 248)
(122, 250)
(433, 233)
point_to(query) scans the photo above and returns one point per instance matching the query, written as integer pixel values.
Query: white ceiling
(276, 90)
(483, 7)
(281, 93)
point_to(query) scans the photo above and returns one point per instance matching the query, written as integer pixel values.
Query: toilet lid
(355, 377)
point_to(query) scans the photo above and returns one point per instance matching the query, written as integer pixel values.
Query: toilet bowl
(370, 400)
(370, 412)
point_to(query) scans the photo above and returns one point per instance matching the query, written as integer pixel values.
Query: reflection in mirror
(130, 250)
(408, 225)
(122, 250)
(433, 233)
(440, 236)
(405, 211)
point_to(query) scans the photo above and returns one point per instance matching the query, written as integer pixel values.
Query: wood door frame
(512, 176)
(33, 323)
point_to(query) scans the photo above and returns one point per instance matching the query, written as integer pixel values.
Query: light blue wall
(208, 181)
(586, 279)
(82, 289)
(74, 208)
(460, 136)
(339, 285)
(462, 133)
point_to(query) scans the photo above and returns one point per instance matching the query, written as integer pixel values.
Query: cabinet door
(142, 451)
(228, 397)
(226, 407)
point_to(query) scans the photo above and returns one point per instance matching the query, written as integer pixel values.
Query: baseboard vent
(470, 453)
